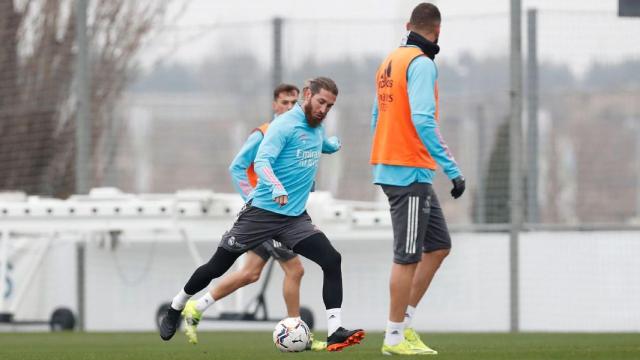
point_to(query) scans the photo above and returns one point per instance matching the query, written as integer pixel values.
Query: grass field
(257, 345)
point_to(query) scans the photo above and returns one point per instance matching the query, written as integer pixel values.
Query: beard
(314, 121)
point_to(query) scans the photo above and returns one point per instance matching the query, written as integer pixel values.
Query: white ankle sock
(204, 302)
(180, 299)
(408, 316)
(333, 320)
(394, 334)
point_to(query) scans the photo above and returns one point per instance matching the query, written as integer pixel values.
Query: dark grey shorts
(418, 222)
(255, 226)
(274, 249)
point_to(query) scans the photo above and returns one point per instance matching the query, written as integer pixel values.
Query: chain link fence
(179, 123)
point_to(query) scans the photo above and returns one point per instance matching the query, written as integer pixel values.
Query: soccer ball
(291, 335)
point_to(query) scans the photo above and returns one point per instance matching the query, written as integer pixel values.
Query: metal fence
(178, 124)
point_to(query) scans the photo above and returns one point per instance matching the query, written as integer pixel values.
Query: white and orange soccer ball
(291, 335)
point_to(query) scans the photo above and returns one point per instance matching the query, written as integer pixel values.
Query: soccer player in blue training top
(407, 145)
(286, 163)
(244, 179)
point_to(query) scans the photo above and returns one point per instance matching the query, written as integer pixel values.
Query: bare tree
(37, 107)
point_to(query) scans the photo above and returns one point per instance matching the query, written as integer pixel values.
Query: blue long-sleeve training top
(247, 155)
(287, 163)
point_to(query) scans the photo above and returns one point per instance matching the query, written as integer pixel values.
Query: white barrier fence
(569, 281)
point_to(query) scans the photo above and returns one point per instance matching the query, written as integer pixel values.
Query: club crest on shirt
(303, 137)
(426, 209)
(231, 241)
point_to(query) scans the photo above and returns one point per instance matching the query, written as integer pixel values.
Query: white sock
(394, 334)
(408, 316)
(204, 302)
(180, 299)
(333, 320)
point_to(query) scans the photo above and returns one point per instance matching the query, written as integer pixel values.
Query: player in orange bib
(407, 146)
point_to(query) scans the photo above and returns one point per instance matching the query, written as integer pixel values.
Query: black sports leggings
(316, 248)
(219, 263)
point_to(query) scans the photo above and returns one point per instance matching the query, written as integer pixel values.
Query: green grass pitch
(258, 345)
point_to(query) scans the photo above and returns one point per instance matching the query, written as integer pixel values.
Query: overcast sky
(577, 32)
(209, 11)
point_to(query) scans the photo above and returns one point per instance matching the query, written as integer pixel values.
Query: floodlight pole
(481, 188)
(83, 96)
(83, 140)
(637, 129)
(533, 212)
(515, 170)
(277, 51)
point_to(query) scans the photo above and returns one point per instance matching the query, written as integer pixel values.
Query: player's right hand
(282, 200)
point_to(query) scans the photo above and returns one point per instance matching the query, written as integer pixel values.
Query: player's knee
(250, 276)
(333, 259)
(297, 272)
(441, 254)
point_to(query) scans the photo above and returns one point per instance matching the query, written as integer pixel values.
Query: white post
(4, 257)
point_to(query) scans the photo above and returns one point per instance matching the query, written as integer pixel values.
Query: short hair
(305, 86)
(284, 88)
(425, 16)
(315, 85)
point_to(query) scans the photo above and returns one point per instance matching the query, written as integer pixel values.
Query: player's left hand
(458, 187)
(332, 144)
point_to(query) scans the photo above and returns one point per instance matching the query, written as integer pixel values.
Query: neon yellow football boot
(191, 320)
(402, 348)
(315, 345)
(412, 337)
